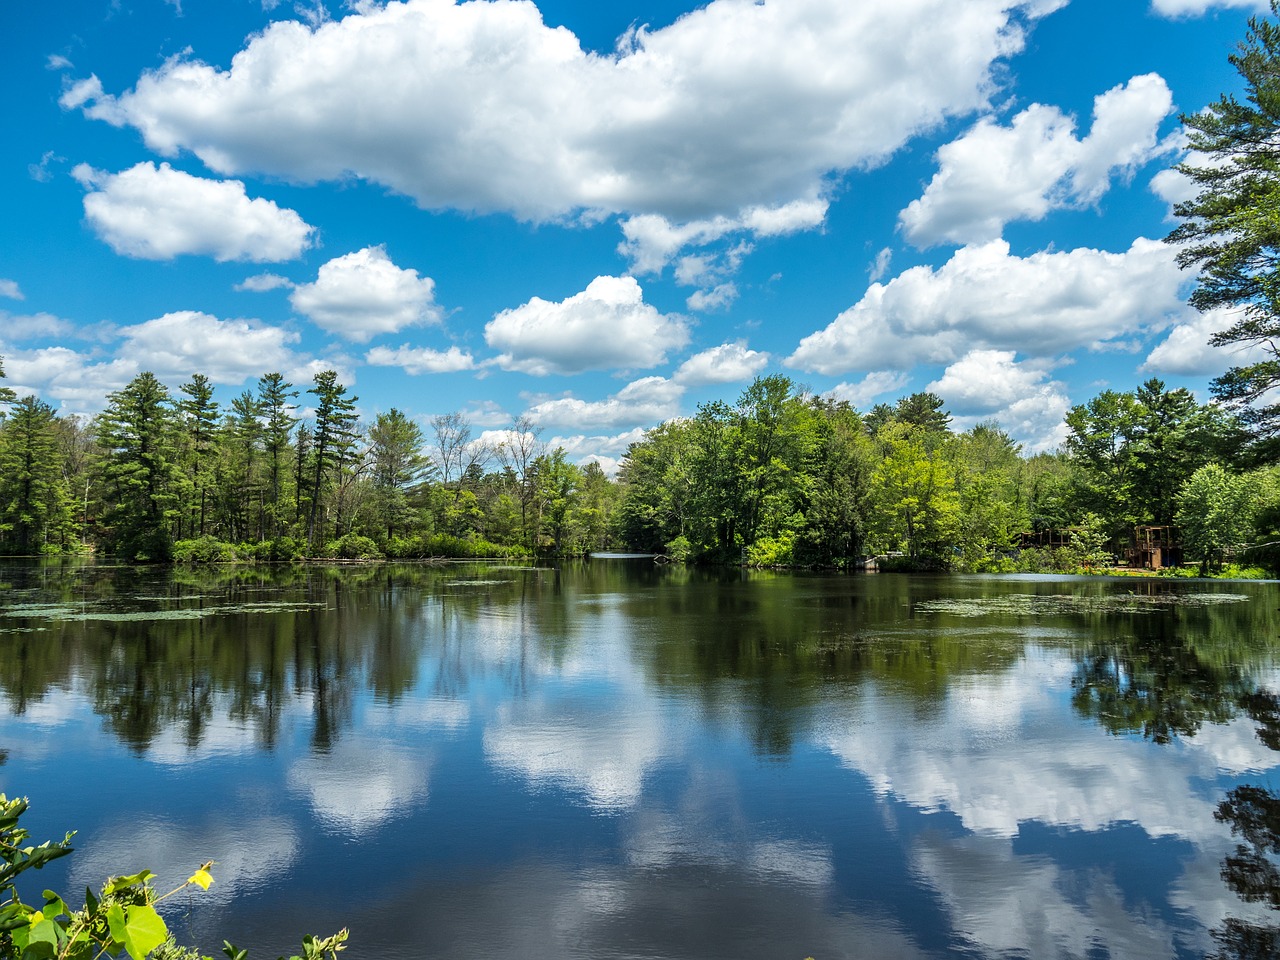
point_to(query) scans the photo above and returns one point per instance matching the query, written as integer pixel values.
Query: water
(619, 759)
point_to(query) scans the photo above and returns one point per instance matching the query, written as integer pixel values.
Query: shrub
(772, 551)
(680, 550)
(353, 546)
(204, 549)
(121, 919)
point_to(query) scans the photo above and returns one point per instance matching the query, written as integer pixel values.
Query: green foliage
(1231, 231)
(1133, 451)
(206, 549)
(332, 443)
(776, 551)
(1088, 545)
(447, 546)
(137, 434)
(35, 500)
(353, 546)
(917, 507)
(1216, 512)
(120, 920)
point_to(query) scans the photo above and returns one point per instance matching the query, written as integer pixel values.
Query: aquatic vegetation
(1037, 605)
(92, 612)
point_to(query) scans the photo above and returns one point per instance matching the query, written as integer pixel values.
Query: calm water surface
(622, 760)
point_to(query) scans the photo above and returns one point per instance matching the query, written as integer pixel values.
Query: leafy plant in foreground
(122, 918)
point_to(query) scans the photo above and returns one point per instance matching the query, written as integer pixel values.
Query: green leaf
(144, 931)
(45, 931)
(123, 883)
(115, 922)
(233, 952)
(54, 905)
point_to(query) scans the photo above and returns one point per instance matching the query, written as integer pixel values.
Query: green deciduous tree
(1216, 511)
(916, 506)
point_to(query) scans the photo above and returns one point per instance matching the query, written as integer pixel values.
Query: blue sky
(602, 215)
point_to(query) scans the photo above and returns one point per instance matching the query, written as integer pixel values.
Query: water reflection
(620, 760)
(1253, 813)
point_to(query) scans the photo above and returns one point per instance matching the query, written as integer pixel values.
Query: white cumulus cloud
(992, 385)
(263, 282)
(31, 326)
(642, 402)
(482, 106)
(651, 240)
(1198, 8)
(158, 213)
(875, 384)
(226, 351)
(10, 289)
(607, 451)
(995, 174)
(607, 325)
(1186, 351)
(727, 363)
(362, 294)
(718, 297)
(416, 360)
(986, 298)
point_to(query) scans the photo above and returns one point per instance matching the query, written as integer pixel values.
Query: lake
(617, 759)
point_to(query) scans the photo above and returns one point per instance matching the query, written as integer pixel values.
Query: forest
(779, 477)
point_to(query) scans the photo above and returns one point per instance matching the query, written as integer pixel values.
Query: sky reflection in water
(618, 760)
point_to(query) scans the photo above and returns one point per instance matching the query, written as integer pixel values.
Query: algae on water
(1039, 605)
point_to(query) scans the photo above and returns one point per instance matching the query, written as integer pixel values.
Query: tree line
(779, 477)
(782, 477)
(158, 476)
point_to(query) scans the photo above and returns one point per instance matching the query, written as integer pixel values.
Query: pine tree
(1231, 230)
(333, 442)
(136, 433)
(275, 396)
(35, 505)
(200, 419)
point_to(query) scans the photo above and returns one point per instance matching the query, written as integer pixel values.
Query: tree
(275, 396)
(239, 477)
(1216, 512)
(35, 504)
(923, 410)
(452, 434)
(399, 466)
(836, 505)
(1231, 231)
(137, 435)
(6, 393)
(917, 508)
(200, 419)
(518, 451)
(987, 465)
(332, 442)
(557, 483)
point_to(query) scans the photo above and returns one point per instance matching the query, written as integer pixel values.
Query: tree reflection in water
(1159, 685)
(1253, 813)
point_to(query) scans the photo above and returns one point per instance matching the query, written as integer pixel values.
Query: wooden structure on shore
(1155, 548)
